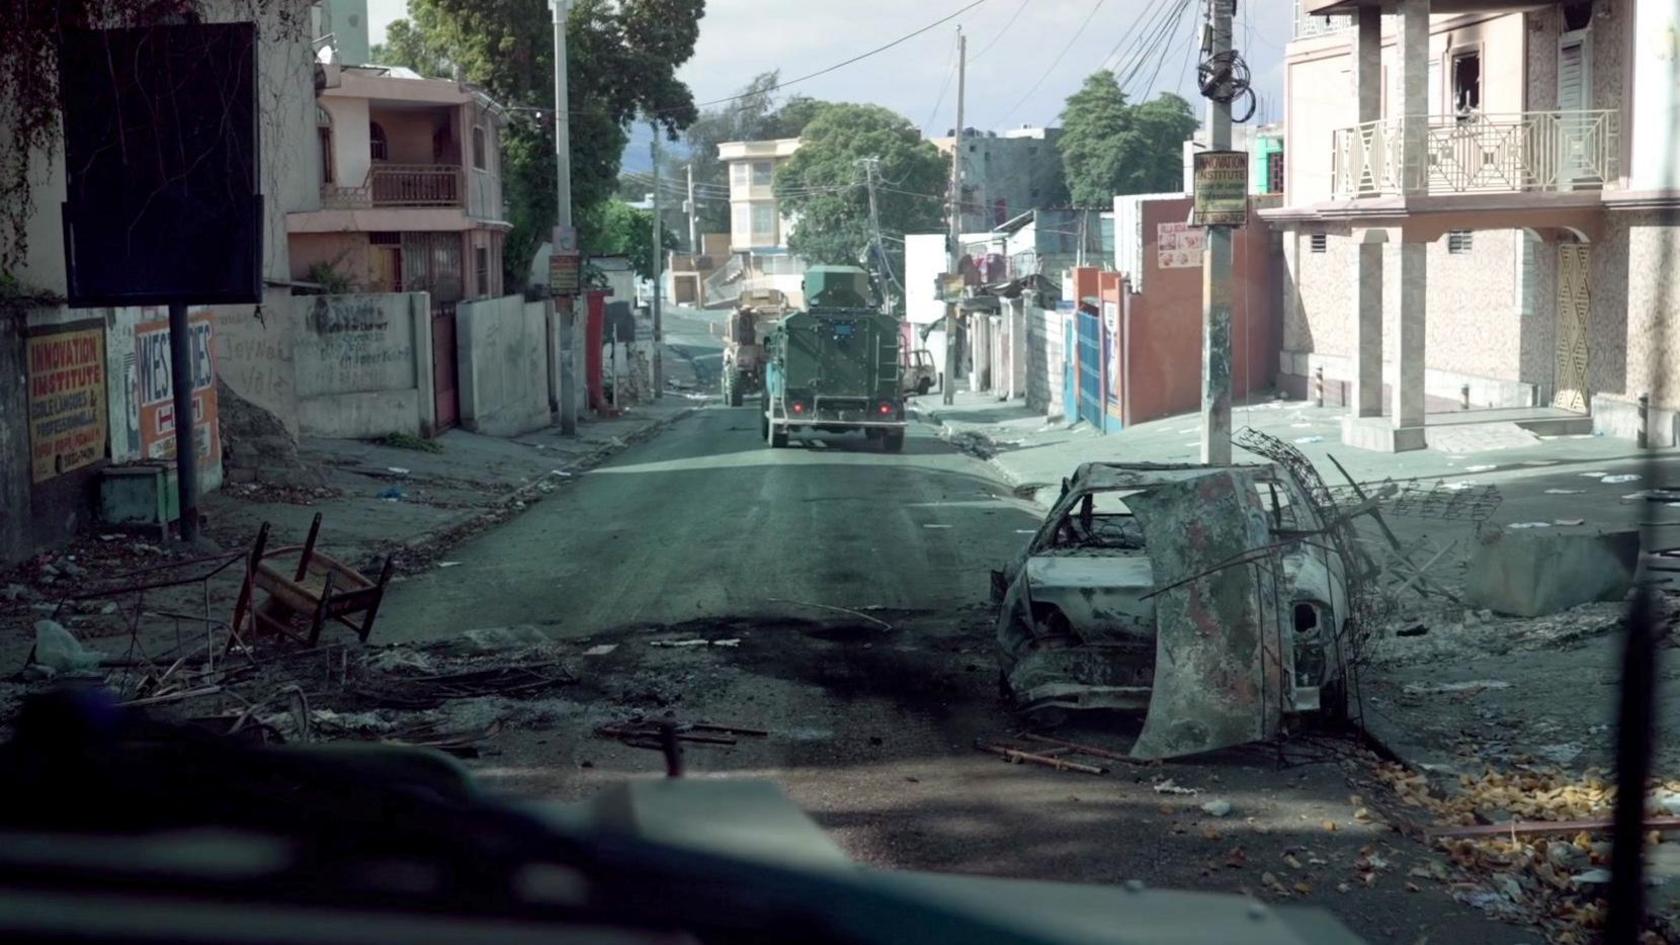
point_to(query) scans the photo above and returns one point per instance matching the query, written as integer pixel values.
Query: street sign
(563, 272)
(1221, 188)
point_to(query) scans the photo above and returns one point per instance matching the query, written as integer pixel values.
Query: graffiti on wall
(66, 401)
(155, 390)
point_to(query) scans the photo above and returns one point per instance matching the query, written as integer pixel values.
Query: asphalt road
(846, 592)
(707, 521)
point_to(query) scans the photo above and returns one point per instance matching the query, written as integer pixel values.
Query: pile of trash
(1533, 847)
(1444, 632)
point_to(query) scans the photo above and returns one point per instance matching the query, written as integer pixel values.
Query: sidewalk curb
(1022, 488)
(505, 506)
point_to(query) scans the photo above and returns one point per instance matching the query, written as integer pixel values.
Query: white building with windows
(758, 227)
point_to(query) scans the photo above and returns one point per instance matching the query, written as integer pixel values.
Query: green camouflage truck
(833, 367)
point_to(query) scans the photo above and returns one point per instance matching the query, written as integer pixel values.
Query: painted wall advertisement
(1179, 245)
(67, 409)
(155, 391)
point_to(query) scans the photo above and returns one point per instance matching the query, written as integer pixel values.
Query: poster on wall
(66, 401)
(155, 392)
(1179, 245)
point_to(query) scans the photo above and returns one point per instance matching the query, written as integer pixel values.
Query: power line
(1001, 33)
(1135, 35)
(1153, 37)
(1053, 64)
(1164, 51)
(840, 65)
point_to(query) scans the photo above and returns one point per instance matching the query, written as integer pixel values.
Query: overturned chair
(302, 596)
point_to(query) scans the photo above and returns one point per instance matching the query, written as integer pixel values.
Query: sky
(741, 38)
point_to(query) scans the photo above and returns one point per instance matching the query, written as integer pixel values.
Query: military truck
(833, 367)
(744, 334)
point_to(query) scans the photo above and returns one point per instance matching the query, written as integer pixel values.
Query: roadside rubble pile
(1426, 632)
(1533, 847)
(450, 696)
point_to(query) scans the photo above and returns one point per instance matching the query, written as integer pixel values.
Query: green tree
(824, 184)
(622, 57)
(1110, 146)
(406, 45)
(622, 230)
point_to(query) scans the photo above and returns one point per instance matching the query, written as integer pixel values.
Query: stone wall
(364, 364)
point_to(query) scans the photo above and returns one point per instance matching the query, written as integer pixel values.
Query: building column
(1412, 59)
(1367, 324)
(1367, 85)
(1407, 408)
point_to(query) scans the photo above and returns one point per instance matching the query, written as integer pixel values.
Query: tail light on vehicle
(886, 408)
(797, 407)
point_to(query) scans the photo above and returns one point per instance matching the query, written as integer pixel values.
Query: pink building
(411, 192)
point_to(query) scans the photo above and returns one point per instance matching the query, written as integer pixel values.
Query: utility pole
(870, 166)
(658, 254)
(1216, 274)
(565, 306)
(948, 384)
(693, 220)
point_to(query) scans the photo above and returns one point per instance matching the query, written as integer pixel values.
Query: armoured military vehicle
(833, 367)
(745, 331)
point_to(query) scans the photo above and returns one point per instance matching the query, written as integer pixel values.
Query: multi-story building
(756, 223)
(1005, 175)
(1479, 199)
(411, 194)
(758, 227)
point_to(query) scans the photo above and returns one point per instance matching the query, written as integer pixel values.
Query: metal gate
(1090, 369)
(444, 371)
(1573, 304)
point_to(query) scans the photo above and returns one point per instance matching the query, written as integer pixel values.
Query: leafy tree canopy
(1110, 146)
(621, 58)
(824, 185)
(622, 230)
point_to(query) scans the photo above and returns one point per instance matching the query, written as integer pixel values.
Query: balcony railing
(415, 185)
(400, 185)
(1477, 154)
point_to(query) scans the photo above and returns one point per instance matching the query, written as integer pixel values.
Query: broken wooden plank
(1018, 756)
(172, 697)
(1523, 828)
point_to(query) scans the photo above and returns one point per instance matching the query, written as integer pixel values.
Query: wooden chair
(318, 588)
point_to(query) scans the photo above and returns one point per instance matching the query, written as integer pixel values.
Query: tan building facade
(755, 215)
(1477, 197)
(410, 178)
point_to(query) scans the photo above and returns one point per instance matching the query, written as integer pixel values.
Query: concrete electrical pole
(947, 384)
(870, 166)
(658, 258)
(693, 218)
(565, 306)
(1216, 275)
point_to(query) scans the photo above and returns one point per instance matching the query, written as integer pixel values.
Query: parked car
(1145, 578)
(916, 371)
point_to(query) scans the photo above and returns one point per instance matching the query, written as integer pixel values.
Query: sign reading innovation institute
(1221, 196)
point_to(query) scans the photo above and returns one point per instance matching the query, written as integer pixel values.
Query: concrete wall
(409, 134)
(924, 260)
(15, 539)
(351, 157)
(1654, 112)
(1046, 360)
(502, 349)
(364, 364)
(1161, 347)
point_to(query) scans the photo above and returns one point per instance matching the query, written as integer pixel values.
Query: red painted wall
(1160, 344)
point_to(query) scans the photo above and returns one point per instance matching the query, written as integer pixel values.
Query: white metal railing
(1309, 25)
(1524, 151)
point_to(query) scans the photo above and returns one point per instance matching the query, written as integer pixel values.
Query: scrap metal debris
(1049, 758)
(648, 733)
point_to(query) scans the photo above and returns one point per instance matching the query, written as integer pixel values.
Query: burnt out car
(1207, 596)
